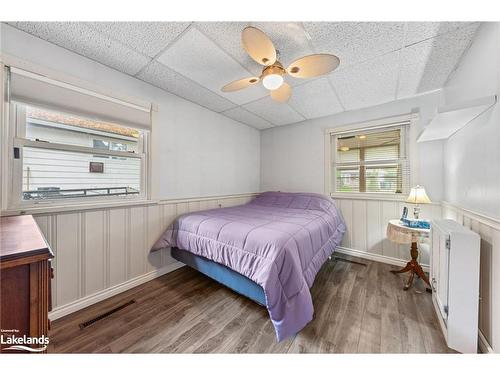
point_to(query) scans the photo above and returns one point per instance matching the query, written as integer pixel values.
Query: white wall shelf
(451, 119)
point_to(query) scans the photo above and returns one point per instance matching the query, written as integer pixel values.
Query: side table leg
(412, 266)
(410, 280)
(407, 268)
(420, 272)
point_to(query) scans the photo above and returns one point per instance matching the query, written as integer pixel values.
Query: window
(58, 153)
(99, 143)
(71, 144)
(370, 160)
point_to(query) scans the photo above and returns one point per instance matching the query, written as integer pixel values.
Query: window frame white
(16, 131)
(379, 124)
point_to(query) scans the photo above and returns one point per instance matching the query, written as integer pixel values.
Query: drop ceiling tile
(315, 99)
(227, 35)
(445, 56)
(169, 80)
(148, 38)
(195, 56)
(289, 38)
(354, 42)
(204, 60)
(369, 83)
(413, 62)
(82, 39)
(274, 112)
(419, 31)
(426, 65)
(242, 115)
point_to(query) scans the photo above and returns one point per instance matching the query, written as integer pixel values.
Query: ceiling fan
(261, 49)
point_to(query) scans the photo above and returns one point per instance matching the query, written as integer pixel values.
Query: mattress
(278, 240)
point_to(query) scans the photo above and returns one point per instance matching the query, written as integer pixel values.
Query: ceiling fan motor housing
(276, 68)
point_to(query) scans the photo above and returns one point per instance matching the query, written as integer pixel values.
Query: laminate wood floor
(358, 309)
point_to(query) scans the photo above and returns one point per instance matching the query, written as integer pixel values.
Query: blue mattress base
(222, 274)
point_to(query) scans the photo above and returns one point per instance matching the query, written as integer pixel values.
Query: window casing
(372, 160)
(55, 162)
(115, 175)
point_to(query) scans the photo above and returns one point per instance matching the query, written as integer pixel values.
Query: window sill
(375, 197)
(56, 207)
(370, 196)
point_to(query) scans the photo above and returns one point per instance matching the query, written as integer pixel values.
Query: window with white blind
(73, 145)
(370, 160)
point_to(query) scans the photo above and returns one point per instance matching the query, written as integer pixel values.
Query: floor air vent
(105, 315)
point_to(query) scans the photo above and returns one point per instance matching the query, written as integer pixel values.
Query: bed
(269, 250)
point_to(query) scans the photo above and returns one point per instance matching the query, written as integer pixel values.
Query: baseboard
(81, 303)
(484, 345)
(376, 257)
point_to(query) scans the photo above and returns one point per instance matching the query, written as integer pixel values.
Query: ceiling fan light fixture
(272, 76)
(272, 81)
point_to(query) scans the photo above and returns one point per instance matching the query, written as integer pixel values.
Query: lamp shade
(418, 195)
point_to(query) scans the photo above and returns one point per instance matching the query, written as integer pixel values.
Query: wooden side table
(401, 234)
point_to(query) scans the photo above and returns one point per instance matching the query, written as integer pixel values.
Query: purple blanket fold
(278, 240)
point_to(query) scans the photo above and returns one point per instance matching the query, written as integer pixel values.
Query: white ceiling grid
(380, 61)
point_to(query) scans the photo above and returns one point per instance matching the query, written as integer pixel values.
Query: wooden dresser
(25, 274)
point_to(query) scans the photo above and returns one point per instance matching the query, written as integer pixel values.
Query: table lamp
(417, 196)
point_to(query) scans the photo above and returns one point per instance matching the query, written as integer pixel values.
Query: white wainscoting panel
(489, 282)
(366, 220)
(105, 251)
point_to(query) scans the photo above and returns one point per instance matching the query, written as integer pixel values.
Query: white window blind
(38, 90)
(371, 160)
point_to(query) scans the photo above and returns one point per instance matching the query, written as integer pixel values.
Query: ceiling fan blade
(282, 94)
(258, 46)
(313, 65)
(240, 84)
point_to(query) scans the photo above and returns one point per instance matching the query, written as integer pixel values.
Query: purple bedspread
(278, 240)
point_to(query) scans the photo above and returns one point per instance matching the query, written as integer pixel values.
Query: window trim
(13, 185)
(387, 122)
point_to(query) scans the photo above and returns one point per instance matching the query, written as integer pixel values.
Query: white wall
(472, 171)
(472, 168)
(195, 152)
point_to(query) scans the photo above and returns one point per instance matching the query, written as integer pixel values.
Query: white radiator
(455, 283)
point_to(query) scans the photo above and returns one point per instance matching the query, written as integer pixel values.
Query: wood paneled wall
(102, 252)
(367, 220)
(489, 284)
